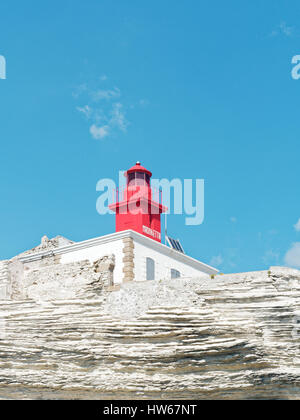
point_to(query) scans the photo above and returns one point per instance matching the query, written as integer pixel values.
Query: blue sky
(196, 89)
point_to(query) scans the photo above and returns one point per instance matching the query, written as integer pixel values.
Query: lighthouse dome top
(138, 168)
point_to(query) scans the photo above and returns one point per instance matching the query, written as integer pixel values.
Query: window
(175, 274)
(138, 178)
(150, 269)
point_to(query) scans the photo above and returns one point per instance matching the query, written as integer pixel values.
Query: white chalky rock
(236, 336)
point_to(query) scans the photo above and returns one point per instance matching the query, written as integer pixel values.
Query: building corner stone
(128, 260)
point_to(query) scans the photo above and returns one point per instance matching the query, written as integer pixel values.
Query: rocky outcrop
(51, 280)
(105, 266)
(48, 244)
(4, 279)
(40, 274)
(235, 336)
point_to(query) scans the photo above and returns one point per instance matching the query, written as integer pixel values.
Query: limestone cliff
(235, 336)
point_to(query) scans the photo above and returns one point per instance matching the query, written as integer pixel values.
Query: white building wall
(92, 250)
(163, 263)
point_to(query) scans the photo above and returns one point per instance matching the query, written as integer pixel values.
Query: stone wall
(48, 279)
(31, 275)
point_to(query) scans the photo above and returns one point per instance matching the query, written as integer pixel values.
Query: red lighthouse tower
(138, 206)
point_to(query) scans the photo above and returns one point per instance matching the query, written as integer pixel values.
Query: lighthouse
(138, 206)
(133, 253)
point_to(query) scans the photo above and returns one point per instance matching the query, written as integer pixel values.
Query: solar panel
(175, 244)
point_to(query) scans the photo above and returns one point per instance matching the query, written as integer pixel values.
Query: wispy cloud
(297, 226)
(102, 108)
(79, 90)
(216, 261)
(118, 118)
(292, 257)
(85, 110)
(106, 94)
(271, 257)
(283, 29)
(117, 121)
(227, 258)
(99, 133)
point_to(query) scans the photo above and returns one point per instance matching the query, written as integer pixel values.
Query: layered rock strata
(235, 336)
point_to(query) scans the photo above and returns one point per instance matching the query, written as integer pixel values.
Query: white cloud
(85, 110)
(108, 94)
(118, 118)
(292, 257)
(106, 123)
(103, 109)
(216, 261)
(283, 29)
(103, 126)
(297, 226)
(99, 133)
(271, 257)
(79, 90)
